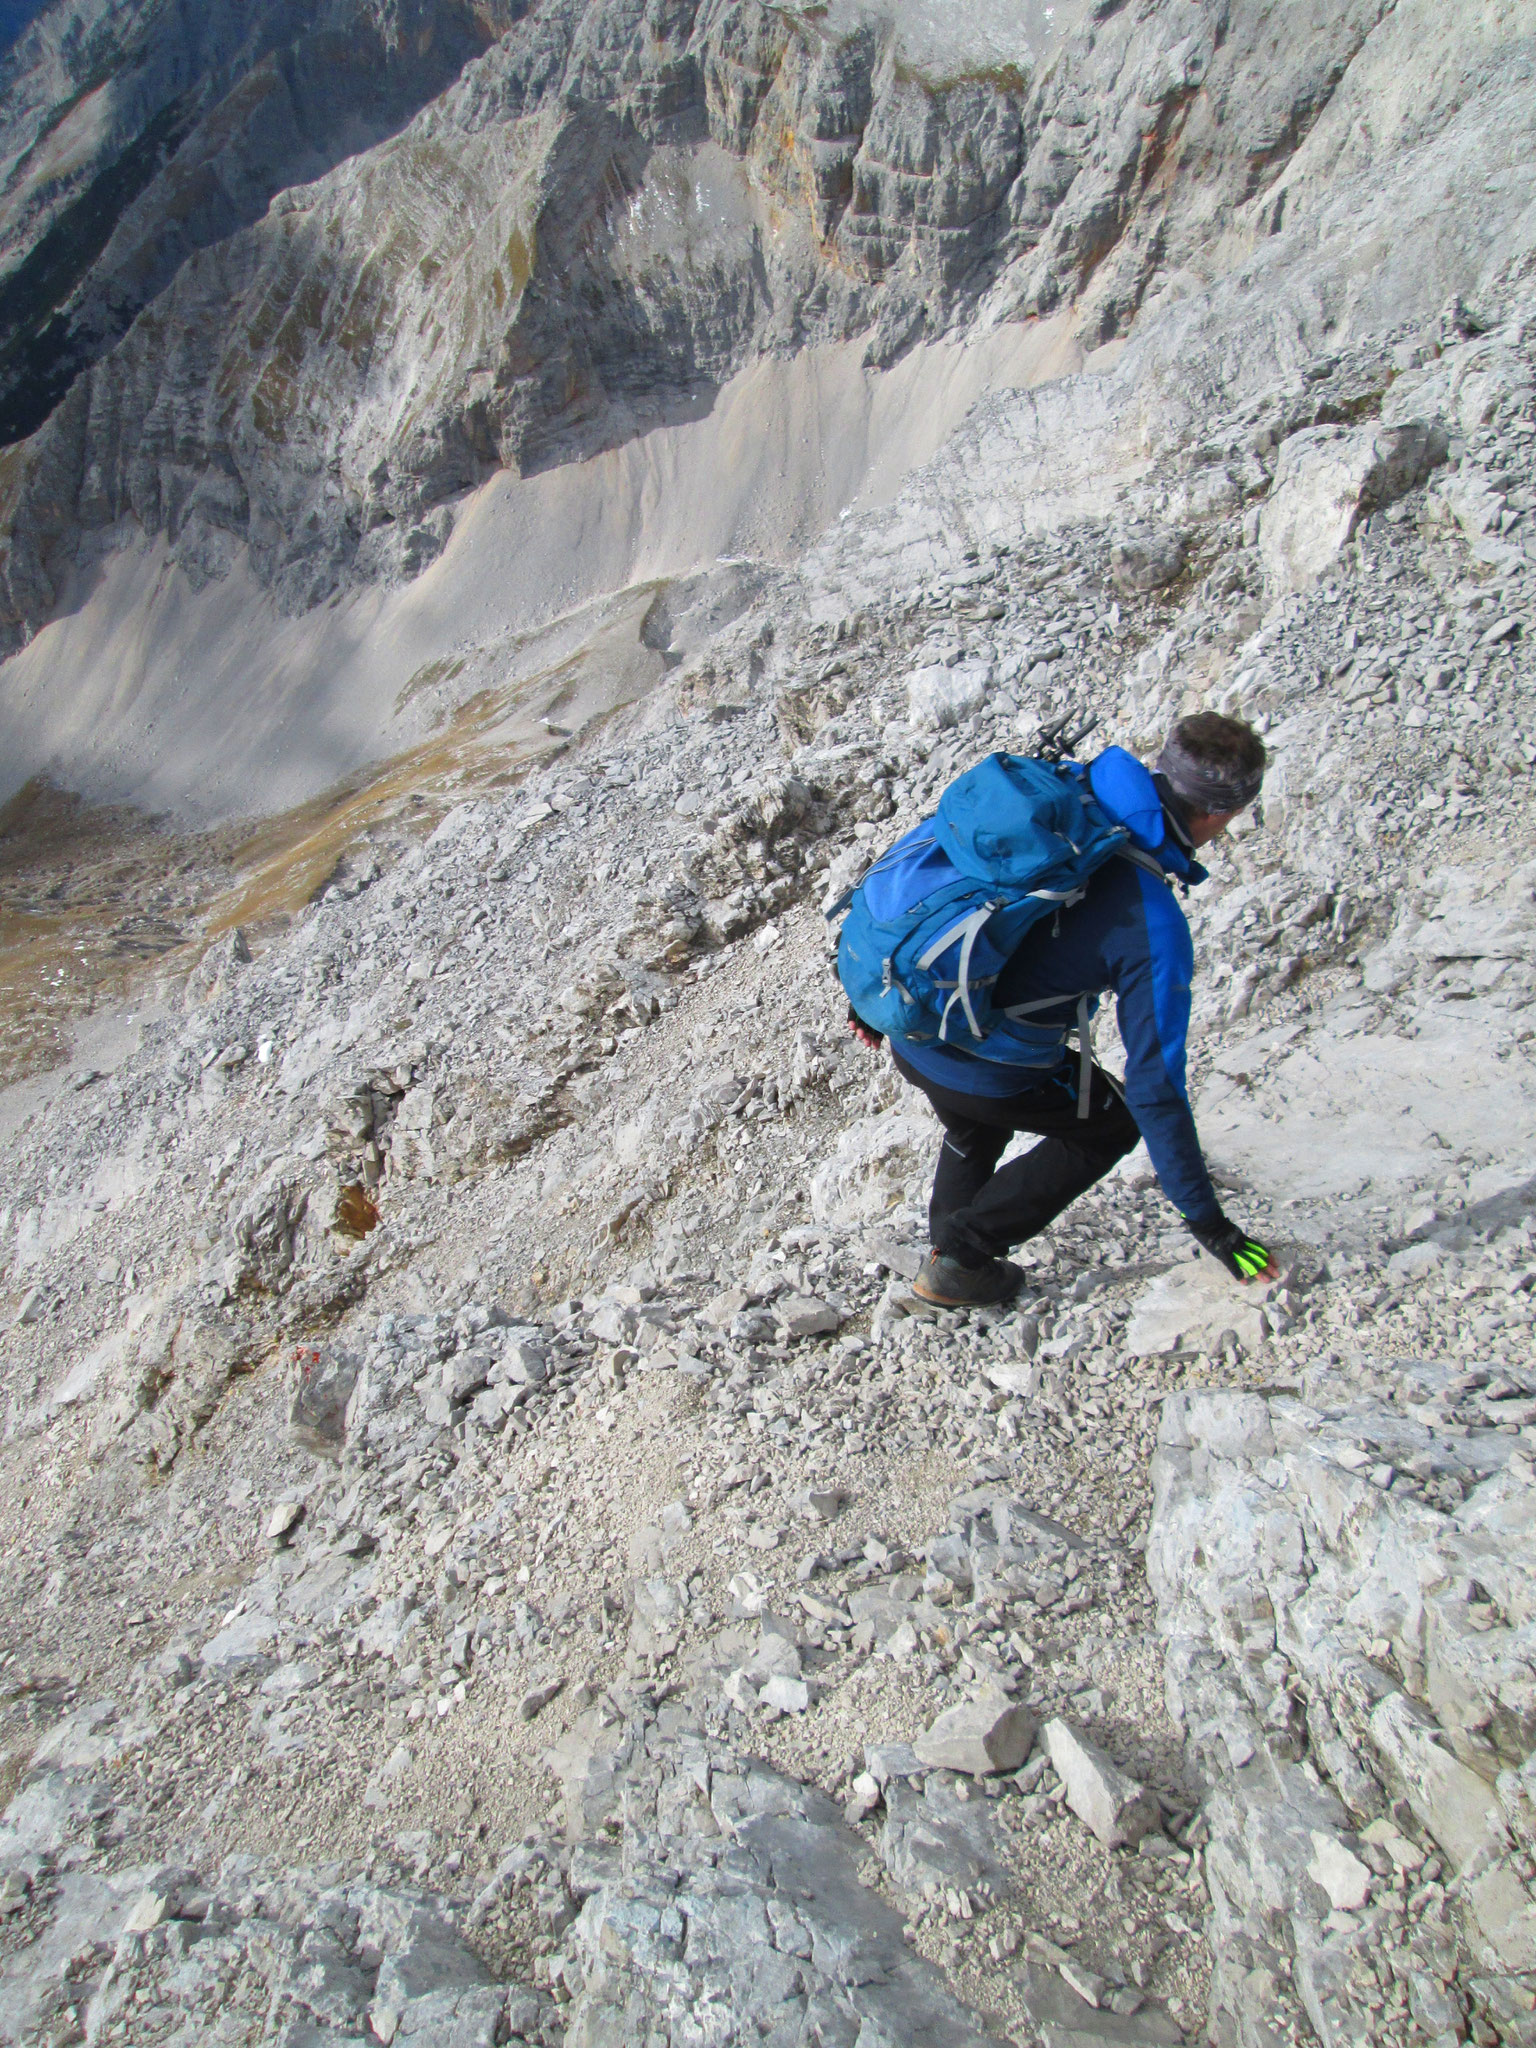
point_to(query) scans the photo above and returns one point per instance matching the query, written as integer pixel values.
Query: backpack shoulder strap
(1147, 862)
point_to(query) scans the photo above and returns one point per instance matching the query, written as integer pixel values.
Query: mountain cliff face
(217, 328)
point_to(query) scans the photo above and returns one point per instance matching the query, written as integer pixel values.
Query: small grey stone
(489, 1409)
(1088, 1984)
(904, 1260)
(1342, 1875)
(978, 1737)
(538, 1697)
(465, 1374)
(289, 1680)
(804, 1315)
(1117, 1809)
(887, 1760)
(1064, 2020)
(283, 1520)
(863, 1797)
(789, 1695)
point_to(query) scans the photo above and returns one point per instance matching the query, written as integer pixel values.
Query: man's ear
(1204, 826)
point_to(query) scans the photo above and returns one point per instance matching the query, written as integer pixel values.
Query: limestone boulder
(1327, 480)
(1118, 1809)
(1193, 1307)
(939, 697)
(1142, 561)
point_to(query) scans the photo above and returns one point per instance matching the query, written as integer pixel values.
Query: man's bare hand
(863, 1034)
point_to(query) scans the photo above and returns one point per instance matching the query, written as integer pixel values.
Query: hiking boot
(948, 1284)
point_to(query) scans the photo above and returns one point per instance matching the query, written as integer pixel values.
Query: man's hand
(862, 1032)
(1243, 1256)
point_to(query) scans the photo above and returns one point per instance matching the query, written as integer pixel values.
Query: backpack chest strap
(967, 931)
(1084, 1020)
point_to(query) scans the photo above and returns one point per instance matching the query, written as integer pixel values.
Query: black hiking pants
(978, 1210)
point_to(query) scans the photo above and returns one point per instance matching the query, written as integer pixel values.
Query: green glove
(1243, 1256)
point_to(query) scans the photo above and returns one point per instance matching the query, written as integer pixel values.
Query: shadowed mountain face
(141, 136)
(286, 281)
(14, 17)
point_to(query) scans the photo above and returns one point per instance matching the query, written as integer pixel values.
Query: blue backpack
(932, 923)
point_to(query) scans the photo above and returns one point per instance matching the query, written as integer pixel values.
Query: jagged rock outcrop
(1344, 1577)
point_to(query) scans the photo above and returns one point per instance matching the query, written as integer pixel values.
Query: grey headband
(1202, 787)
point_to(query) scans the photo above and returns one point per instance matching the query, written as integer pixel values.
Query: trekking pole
(1058, 742)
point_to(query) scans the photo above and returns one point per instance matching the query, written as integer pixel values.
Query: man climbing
(1120, 929)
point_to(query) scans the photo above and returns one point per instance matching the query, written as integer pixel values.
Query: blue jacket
(1129, 935)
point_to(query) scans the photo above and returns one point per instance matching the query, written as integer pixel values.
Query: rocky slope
(498, 1553)
(461, 1359)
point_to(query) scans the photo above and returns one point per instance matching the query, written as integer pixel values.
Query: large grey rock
(317, 1413)
(1193, 1306)
(1327, 479)
(791, 1922)
(1346, 1108)
(939, 697)
(1345, 1879)
(1288, 1567)
(47, 1811)
(1140, 562)
(612, 1324)
(932, 1837)
(430, 1982)
(587, 1761)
